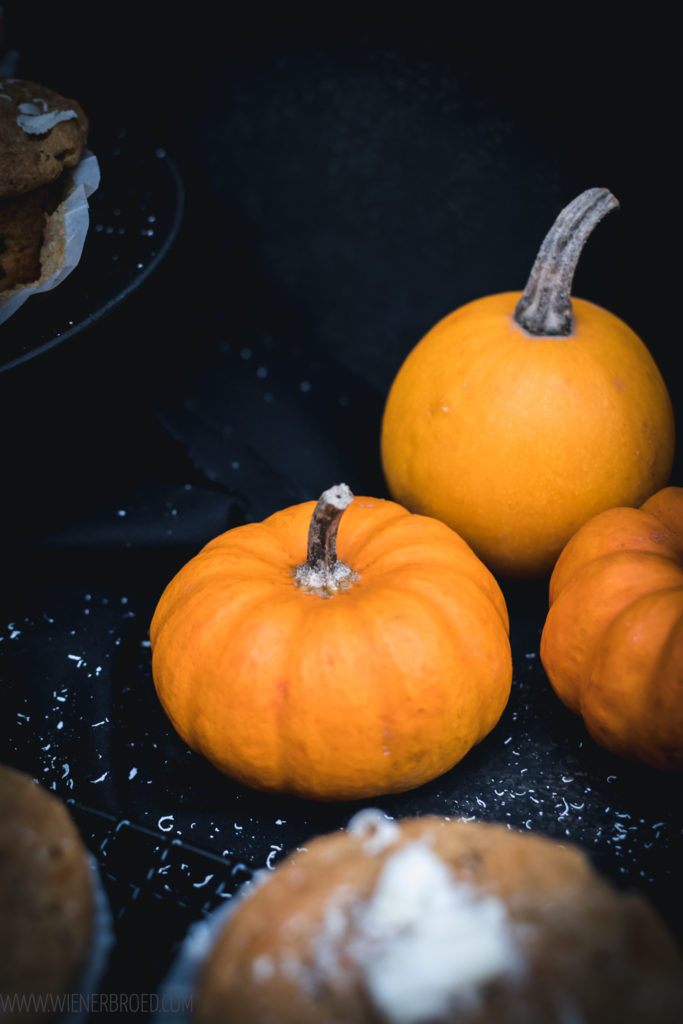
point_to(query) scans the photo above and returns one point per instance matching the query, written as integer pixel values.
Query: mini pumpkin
(521, 415)
(333, 678)
(612, 643)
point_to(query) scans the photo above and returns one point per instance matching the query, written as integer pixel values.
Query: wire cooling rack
(157, 886)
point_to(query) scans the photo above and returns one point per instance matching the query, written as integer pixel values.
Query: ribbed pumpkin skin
(612, 643)
(515, 441)
(377, 689)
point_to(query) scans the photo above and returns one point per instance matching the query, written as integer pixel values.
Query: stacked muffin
(42, 136)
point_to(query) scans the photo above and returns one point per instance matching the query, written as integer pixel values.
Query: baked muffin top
(41, 133)
(428, 921)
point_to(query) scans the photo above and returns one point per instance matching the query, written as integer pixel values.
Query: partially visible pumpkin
(333, 678)
(612, 643)
(521, 415)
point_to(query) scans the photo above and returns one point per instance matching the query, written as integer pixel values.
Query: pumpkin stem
(545, 307)
(322, 573)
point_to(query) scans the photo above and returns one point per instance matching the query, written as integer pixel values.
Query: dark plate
(134, 217)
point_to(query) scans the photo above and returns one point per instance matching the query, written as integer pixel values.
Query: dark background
(348, 180)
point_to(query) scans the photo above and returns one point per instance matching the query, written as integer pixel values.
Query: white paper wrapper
(80, 999)
(74, 213)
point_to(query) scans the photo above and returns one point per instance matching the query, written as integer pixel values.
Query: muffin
(439, 921)
(42, 136)
(48, 900)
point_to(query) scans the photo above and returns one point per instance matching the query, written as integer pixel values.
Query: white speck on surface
(101, 777)
(132, 773)
(274, 850)
(200, 885)
(165, 823)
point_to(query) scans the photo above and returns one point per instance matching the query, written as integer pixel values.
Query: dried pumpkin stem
(322, 572)
(545, 307)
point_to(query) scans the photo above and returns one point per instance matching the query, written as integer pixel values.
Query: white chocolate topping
(375, 827)
(35, 121)
(427, 943)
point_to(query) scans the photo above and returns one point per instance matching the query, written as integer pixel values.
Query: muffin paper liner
(80, 999)
(83, 180)
(176, 992)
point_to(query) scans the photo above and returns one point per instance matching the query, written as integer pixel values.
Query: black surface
(346, 186)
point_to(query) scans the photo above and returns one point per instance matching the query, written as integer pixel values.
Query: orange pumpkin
(612, 643)
(333, 678)
(521, 415)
